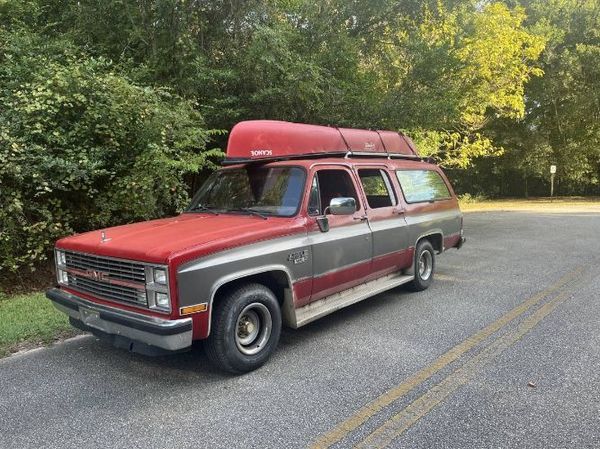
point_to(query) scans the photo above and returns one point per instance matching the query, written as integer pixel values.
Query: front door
(387, 222)
(341, 256)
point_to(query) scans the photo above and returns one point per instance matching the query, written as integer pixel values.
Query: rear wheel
(246, 325)
(424, 266)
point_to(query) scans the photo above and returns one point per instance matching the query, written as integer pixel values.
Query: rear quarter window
(421, 186)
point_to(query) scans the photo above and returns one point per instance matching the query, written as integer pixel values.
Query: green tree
(562, 121)
(83, 147)
(465, 68)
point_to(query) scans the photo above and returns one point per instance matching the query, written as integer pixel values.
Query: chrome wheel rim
(425, 265)
(253, 328)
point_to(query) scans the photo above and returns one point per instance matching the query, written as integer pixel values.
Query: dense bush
(83, 147)
(106, 105)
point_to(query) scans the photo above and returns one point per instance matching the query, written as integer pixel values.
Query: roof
(263, 140)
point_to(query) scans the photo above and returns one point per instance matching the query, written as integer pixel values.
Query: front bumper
(170, 335)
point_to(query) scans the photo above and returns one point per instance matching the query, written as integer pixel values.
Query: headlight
(162, 300)
(62, 276)
(61, 259)
(160, 276)
(157, 288)
(159, 300)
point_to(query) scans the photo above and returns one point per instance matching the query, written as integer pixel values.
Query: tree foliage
(106, 106)
(437, 69)
(561, 124)
(83, 147)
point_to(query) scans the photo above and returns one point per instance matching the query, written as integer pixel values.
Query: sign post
(552, 173)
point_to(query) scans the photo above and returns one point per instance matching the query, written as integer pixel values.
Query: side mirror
(337, 206)
(342, 206)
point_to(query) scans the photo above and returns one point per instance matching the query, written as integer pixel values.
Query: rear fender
(438, 234)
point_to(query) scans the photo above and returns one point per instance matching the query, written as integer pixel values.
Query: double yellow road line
(403, 420)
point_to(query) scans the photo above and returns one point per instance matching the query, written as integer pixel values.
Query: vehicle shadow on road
(343, 318)
(178, 367)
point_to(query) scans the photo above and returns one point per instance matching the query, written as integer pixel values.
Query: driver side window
(328, 184)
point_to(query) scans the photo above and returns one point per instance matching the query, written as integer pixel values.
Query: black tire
(235, 317)
(424, 253)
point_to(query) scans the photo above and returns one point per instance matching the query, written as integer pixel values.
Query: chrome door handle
(361, 218)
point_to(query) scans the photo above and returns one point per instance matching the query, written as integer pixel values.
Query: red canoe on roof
(271, 139)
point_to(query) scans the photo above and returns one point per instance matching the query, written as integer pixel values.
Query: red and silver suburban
(301, 221)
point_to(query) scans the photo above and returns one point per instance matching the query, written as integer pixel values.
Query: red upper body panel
(190, 235)
(180, 238)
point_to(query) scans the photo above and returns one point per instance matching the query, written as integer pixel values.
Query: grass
(551, 205)
(30, 320)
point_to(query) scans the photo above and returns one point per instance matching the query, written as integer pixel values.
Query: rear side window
(422, 185)
(377, 187)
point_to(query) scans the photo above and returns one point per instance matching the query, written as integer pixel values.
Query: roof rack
(344, 154)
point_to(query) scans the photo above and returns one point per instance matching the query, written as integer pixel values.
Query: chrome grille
(127, 271)
(114, 280)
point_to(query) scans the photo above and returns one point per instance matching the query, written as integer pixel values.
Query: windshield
(275, 191)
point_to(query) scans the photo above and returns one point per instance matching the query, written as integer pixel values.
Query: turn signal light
(188, 310)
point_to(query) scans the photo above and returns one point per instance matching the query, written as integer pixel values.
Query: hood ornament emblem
(103, 238)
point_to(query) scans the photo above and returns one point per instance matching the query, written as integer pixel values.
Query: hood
(189, 235)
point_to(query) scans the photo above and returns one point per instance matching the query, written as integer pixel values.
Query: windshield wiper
(203, 208)
(248, 211)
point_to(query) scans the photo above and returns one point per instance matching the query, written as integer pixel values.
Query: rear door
(341, 256)
(386, 219)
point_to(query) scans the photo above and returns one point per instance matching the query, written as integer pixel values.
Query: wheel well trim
(232, 277)
(429, 233)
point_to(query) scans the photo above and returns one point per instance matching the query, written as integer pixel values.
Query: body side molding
(296, 318)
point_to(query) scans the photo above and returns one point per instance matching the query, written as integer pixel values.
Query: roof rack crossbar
(344, 153)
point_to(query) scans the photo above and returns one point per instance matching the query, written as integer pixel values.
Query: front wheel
(424, 266)
(246, 326)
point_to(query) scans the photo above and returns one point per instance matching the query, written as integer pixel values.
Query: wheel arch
(435, 237)
(276, 278)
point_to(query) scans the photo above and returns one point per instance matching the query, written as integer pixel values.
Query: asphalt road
(502, 351)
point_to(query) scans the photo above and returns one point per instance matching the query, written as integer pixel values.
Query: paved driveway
(502, 351)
